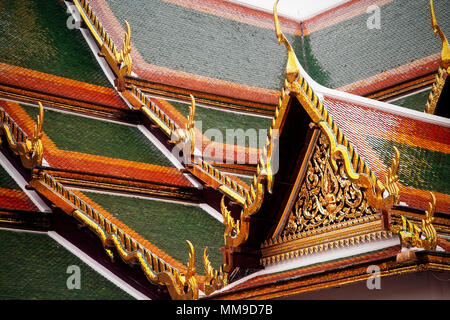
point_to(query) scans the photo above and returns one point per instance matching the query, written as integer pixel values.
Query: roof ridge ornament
(423, 236)
(292, 66)
(123, 56)
(445, 53)
(30, 151)
(444, 67)
(215, 280)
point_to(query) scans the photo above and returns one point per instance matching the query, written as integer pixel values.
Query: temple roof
(96, 162)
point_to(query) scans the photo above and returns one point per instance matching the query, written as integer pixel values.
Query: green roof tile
(6, 181)
(92, 136)
(419, 168)
(168, 225)
(33, 266)
(223, 120)
(348, 51)
(192, 41)
(38, 38)
(415, 101)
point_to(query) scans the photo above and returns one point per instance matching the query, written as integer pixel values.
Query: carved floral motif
(327, 196)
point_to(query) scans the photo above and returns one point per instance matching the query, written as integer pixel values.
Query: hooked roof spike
(445, 54)
(292, 66)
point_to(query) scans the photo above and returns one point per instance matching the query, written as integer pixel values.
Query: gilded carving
(327, 196)
(445, 54)
(30, 151)
(186, 136)
(215, 280)
(423, 236)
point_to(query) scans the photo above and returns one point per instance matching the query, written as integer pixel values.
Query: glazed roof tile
(293, 274)
(36, 260)
(163, 226)
(39, 39)
(78, 140)
(11, 196)
(208, 48)
(424, 146)
(416, 101)
(75, 92)
(405, 35)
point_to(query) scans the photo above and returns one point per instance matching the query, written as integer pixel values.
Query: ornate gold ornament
(215, 280)
(231, 226)
(124, 56)
(445, 54)
(425, 236)
(112, 237)
(436, 90)
(186, 287)
(187, 135)
(30, 151)
(119, 61)
(444, 68)
(327, 196)
(392, 184)
(292, 69)
(340, 148)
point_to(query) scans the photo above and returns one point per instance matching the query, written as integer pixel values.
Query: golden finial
(292, 67)
(30, 151)
(445, 54)
(392, 184)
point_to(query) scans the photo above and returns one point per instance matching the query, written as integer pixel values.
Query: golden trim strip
(350, 233)
(119, 60)
(132, 252)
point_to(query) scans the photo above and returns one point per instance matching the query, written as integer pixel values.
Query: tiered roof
(114, 112)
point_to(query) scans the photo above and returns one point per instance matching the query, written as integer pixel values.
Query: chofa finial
(292, 67)
(445, 54)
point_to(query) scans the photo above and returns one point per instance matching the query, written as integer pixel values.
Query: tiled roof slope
(270, 282)
(424, 148)
(72, 142)
(45, 60)
(11, 196)
(203, 45)
(405, 35)
(30, 260)
(163, 227)
(38, 38)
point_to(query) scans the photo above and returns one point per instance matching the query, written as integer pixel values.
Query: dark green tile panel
(168, 226)
(184, 39)
(91, 136)
(34, 267)
(6, 181)
(419, 168)
(188, 40)
(416, 101)
(348, 51)
(222, 120)
(34, 35)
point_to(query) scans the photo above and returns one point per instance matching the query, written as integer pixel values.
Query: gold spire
(292, 67)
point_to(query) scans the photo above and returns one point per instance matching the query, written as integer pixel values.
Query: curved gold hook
(292, 67)
(445, 54)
